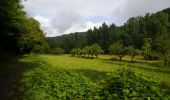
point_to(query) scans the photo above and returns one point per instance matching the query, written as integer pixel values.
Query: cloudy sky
(59, 17)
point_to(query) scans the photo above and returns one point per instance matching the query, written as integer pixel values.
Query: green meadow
(44, 75)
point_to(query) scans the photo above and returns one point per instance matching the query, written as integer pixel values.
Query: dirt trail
(8, 81)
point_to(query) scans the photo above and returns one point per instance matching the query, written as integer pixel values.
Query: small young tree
(88, 50)
(84, 52)
(73, 52)
(96, 49)
(78, 52)
(132, 51)
(118, 49)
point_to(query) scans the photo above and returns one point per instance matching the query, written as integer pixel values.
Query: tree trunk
(97, 56)
(132, 58)
(120, 58)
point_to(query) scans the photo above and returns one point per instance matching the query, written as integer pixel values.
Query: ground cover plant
(66, 77)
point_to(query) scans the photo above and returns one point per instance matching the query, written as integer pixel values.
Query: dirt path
(8, 81)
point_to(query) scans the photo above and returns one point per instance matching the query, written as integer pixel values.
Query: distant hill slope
(72, 40)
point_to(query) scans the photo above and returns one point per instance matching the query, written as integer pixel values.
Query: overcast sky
(59, 17)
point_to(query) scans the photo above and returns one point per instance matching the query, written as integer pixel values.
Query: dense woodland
(19, 33)
(147, 35)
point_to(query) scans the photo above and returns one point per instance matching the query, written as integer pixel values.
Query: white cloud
(63, 16)
(47, 26)
(83, 27)
(51, 29)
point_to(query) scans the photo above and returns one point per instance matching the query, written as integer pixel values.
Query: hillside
(72, 40)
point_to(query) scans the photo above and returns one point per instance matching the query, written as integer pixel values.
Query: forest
(111, 62)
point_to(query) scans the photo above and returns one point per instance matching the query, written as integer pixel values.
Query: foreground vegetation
(66, 77)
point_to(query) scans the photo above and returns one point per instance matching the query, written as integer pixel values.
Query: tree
(105, 37)
(88, 50)
(96, 49)
(118, 49)
(132, 51)
(19, 33)
(76, 52)
(31, 35)
(147, 48)
(163, 42)
(11, 19)
(73, 52)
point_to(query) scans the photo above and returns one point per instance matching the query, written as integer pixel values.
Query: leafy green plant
(126, 84)
(45, 82)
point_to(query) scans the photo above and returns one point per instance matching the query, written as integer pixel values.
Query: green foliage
(163, 42)
(47, 82)
(68, 42)
(126, 84)
(132, 51)
(147, 48)
(76, 52)
(92, 50)
(96, 50)
(118, 49)
(38, 49)
(30, 36)
(11, 18)
(19, 33)
(57, 51)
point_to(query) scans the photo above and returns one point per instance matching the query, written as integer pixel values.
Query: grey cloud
(132, 8)
(65, 14)
(65, 19)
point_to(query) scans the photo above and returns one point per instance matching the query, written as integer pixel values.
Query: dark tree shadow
(93, 75)
(131, 64)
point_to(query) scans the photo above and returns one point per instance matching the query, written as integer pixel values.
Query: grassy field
(95, 67)
(95, 70)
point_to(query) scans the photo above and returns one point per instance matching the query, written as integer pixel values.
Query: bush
(38, 49)
(126, 84)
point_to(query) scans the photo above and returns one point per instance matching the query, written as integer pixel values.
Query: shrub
(126, 84)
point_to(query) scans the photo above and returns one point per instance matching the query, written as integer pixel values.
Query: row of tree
(114, 49)
(150, 33)
(93, 50)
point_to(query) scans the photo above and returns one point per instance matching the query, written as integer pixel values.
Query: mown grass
(94, 70)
